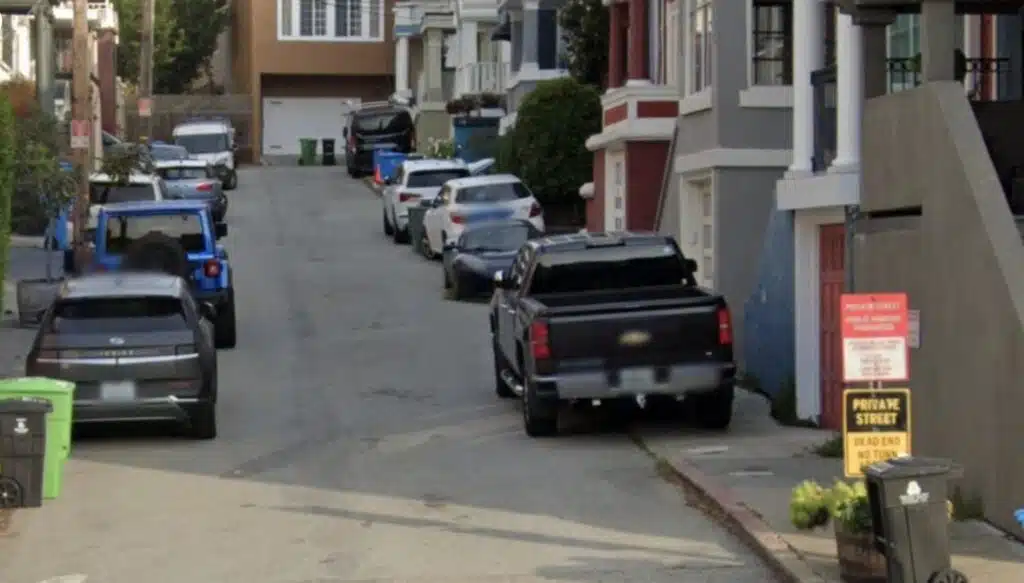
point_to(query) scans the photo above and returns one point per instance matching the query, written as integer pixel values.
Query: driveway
(360, 440)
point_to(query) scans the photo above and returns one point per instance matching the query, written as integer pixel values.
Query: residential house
(639, 113)
(424, 63)
(19, 57)
(732, 139)
(822, 187)
(535, 49)
(306, 64)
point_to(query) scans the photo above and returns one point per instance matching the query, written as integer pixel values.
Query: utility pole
(81, 122)
(146, 69)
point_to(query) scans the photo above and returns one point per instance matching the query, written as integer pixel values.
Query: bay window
(700, 56)
(331, 20)
(772, 58)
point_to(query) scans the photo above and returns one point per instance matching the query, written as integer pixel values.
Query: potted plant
(846, 505)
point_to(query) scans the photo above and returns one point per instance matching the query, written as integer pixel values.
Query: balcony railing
(982, 79)
(478, 78)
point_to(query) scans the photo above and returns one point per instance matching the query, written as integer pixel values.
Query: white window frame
(330, 34)
(672, 32)
(702, 12)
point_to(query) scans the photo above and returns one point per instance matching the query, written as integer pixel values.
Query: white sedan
(474, 200)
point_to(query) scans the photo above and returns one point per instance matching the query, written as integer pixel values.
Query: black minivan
(387, 127)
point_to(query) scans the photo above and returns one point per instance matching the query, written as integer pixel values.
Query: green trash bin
(307, 149)
(61, 395)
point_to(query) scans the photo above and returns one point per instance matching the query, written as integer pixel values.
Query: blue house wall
(768, 313)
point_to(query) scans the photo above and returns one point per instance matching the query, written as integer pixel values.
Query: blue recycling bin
(1019, 515)
(59, 225)
(387, 162)
(472, 135)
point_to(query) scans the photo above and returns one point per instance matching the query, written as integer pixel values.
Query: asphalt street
(360, 440)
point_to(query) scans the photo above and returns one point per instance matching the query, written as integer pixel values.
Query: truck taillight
(540, 346)
(724, 326)
(535, 210)
(211, 268)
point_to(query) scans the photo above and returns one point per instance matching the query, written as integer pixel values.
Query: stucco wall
(962, 263)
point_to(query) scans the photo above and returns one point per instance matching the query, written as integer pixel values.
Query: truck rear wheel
(714, 410)
(540, 417)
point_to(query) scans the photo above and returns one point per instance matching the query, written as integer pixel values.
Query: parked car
(162, 152)
(193, 179)
(477, 199)
(594, 317)
(415, 181)
(178, 237)
(211, 140)
(470, 262)
(382, 127)
(137, 348)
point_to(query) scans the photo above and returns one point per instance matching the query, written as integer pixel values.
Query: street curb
(721, 503)
(24, 241)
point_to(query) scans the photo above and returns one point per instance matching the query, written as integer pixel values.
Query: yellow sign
(876, 427)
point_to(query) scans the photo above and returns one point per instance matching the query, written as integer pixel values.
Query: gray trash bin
(22, 452)
(910, 517)
(416, 232)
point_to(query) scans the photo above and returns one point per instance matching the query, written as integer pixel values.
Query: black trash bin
(328, 152)
(416, 231)
(22, 452)
(910, 517)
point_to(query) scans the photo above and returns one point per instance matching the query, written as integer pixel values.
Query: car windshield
(434, 178)
(609, 268)
(118, 315)
(486, 193)
(506, 238)
(108, 193)
(193, 173)
(385, 121)
(187, 228)
(168, 152)
(203, 143)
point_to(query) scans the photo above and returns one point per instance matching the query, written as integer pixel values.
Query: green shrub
(553, 123)
(6, 182)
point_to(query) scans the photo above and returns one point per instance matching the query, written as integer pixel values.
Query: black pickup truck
(595, 317)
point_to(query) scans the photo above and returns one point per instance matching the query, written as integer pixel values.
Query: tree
(585, 31)
(185, 36)
(550, 145)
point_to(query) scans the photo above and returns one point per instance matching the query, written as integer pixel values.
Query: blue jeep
(177, 237)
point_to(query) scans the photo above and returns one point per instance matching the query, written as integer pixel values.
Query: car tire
(500, 364)
(401, 236)
(232, 182)
(428, 253)
(203, 421)
(388, 229)
(714, 410)
(540, 416)
(224, 332)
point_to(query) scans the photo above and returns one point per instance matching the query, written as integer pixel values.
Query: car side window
(445, 196)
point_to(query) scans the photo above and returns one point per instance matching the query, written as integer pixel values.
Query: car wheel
(232, 181)
(203, 421)
(540, 417)
(401, 236)
(224, 333)
(500, 364)
(427, 251)
(714, 410)
(388, 230)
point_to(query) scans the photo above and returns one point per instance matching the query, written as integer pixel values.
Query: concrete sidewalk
(746, 477)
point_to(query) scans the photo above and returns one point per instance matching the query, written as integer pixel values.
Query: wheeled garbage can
(22, 452)
(307, 152)
(910, 518)
(327, 158)
(60, 395)
(416, 231)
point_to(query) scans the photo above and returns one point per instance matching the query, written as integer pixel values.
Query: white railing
(100, 14)
(476, 78)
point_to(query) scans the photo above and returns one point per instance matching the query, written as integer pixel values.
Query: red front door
(831, 259)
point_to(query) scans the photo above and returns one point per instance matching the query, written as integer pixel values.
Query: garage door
(287, 119)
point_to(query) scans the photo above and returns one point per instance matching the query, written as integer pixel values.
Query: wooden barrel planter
(859, 560)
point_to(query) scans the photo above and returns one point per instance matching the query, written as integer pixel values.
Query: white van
(212, 140)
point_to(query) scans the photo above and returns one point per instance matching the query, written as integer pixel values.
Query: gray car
(194, 180)
(138, 348)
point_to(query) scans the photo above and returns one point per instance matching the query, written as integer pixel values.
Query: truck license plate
(117, 390)
(636, 380)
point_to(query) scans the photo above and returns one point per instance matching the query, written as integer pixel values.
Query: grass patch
(830, 448)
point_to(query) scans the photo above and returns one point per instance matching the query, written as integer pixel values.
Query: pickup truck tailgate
(661, 335)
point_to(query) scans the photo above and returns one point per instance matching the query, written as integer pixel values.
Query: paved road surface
(360, 441)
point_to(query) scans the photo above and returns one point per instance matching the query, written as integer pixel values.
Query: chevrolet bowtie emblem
(634, 338)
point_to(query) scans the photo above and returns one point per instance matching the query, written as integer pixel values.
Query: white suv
(415, 181)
